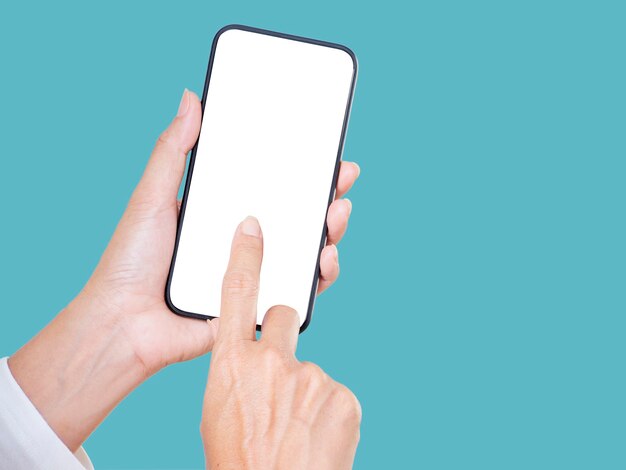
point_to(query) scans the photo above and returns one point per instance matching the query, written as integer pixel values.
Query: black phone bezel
(192, 159)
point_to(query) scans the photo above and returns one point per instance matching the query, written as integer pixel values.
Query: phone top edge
(293, 37)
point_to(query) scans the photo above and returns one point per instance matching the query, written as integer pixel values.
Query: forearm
(77, 369)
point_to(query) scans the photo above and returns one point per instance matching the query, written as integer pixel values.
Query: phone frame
(192, 160)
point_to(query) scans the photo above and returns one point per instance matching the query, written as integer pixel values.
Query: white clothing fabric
(26, 440)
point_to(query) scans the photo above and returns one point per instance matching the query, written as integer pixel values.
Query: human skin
(262, 408)
(118, 331)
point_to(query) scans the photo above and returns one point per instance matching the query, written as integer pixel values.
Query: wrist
(77, 369)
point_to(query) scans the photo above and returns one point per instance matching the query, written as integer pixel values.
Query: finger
(172, 338)
(337, 219)
(240, 288)
(192, 338)
(161, 179)
(348, 173)
(280, 328)
(329, 267)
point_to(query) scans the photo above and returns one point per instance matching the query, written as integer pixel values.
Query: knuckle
(144, 209)
(273, 358)
(348, 404)
(166, 141)
(247, 244)
(313, 374)
(240, 283)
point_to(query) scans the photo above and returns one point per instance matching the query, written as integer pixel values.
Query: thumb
(190, 338)
(161, 179)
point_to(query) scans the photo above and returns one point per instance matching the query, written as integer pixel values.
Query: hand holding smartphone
(276, 110)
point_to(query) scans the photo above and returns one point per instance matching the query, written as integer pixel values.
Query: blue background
(480, 315)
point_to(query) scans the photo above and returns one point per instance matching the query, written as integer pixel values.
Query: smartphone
(275, 113)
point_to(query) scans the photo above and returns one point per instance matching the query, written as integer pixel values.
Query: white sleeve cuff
(26, 440)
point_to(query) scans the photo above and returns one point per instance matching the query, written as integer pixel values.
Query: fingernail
(358, 169)
(183, 107)
(250, 226)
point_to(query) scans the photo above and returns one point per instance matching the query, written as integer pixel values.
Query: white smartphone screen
(275, 116)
